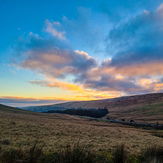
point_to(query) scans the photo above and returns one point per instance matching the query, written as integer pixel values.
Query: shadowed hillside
(147, 107)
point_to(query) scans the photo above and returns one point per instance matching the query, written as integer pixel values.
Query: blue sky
(56, 51)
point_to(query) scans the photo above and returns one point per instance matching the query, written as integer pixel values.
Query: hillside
(20, 129)
(114, 102)
(146, 108)
(9, 109)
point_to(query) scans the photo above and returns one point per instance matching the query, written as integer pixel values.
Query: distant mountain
(148, 107)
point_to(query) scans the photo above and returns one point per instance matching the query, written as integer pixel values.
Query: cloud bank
(136, 65)
(23, 102)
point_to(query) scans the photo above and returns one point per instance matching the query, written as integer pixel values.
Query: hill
(142, 108)
(21, 129)
(9, 109)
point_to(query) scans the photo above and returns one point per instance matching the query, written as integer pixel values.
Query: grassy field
(148, 113)
(20, 129)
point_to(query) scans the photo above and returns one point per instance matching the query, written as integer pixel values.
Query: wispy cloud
(81, 90)
(51, 27)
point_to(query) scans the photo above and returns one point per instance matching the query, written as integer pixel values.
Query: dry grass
(22, 129)
(78, 153)
(149, 113)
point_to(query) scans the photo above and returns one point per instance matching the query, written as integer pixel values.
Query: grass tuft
(120, 155)
(22, 156)
(5, 142)
(152, 154)
(78, 153)
(35, 152)
(75, 154)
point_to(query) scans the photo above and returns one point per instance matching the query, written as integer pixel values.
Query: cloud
(102, 81)
(56, 83)
(81, 90)
(117, 11)
(50, 58)
(22, 101)
(136, 65)
(51, 28)
(109, 80)
(137, 41)
(134, 70)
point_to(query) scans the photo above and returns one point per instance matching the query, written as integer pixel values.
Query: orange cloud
(158, 86)
(87, 94)
(31, 98)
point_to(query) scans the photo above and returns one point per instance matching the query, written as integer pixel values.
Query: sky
(58, 51)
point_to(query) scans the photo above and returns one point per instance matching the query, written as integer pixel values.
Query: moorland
(22, 130)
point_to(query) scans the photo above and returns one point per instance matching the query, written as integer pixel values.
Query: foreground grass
(78, 153)
(99, 141)
(55, 131)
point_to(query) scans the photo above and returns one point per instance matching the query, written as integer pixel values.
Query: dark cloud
(127, 85)
(139, 40)
(107, 83)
